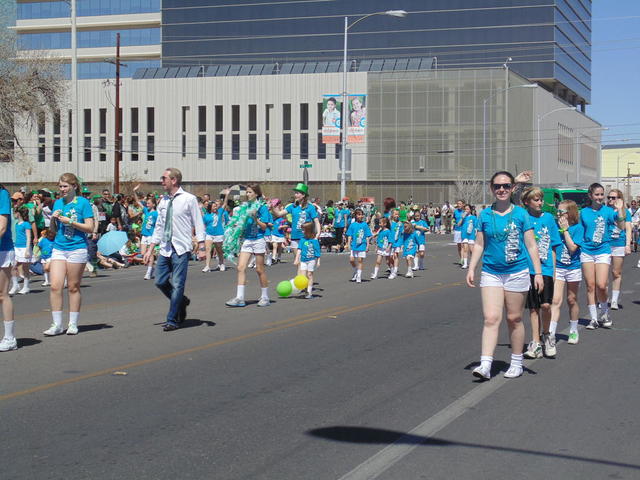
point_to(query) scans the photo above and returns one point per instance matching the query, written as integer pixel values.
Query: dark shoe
(182, 316)
(170, 327)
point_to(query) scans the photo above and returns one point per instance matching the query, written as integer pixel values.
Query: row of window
(89, 39)
(96, 70)
(86, 8)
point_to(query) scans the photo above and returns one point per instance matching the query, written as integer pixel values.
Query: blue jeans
(171, 277)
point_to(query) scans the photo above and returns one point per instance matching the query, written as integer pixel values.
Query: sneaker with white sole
(534, 350)
(482, 372)
(392, 276)
(614, 305)
(206, 269)
(264, 302)
(8, 344)
(222, 268)
(513, 372)
(53, 330)
(236, 302)
(605, 319)
(549, 342)
(24, 290)
(147, 276)
(45, 284)
(14, 289)
(574, 337)
(72, 329)
(409, 274)
(593, 324)
(373, 276)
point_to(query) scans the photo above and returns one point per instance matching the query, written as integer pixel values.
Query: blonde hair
(531, 193)
(617, 192)
(71, 179)
(573, 214)
(174, 173)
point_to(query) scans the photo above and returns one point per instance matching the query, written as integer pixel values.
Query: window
(322, 148)
(286, 146)
(320, 112)
(286, 116)
(56, 136)
(103, 121)
(267, 122)
(135, 147)
(151, 141)
(87, 149)
(202, 147)
(42, 151)
(266, 147)
(87, 120)
(219, 147)
(151, 123)
(253, 146)
(219, 118)
(56, 149)
(235, 146)
(41, 122)
(185, 116)
(103, 149)
(304, 116)
(304, 146)
(202, 127)
(70, 132)
(134, 121)
(202, 118)
(135, 129)
(151, 148)
(253, 121)
(235, 118)
(56, 122)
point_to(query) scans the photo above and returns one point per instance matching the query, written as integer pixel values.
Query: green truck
(554, 195)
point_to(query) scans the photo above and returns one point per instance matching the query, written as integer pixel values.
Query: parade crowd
(530, 259)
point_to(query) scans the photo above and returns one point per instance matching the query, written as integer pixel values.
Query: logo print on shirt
(598, 232)
(68, 230)
(565, 258)
(512, 246)
(360, 237)
(301, 220)
(544, 243)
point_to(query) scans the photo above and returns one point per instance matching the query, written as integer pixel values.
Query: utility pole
(118, 153)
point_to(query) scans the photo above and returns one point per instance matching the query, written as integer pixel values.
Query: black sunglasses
(498, 186)
(612, 198)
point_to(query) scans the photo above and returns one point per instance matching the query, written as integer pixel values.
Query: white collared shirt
(186, 218)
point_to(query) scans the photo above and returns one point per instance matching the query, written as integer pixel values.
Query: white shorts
(469, 241)
(383, 253)
(145, 240)
(215, 238)
(510, 282)
(422, 248)
(358, 255)
(267, 238)
(254, 246)
(79, 255)
(22, 255)
(44, 261)
(276, 239)
(566, 275)
(600, 258)
(7, 258)
(618, 252)
(293, 244)
(457, 236)
(396, 249)
(309, 266)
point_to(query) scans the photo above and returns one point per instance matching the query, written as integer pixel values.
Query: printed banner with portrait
(331, 122)
(357, 118)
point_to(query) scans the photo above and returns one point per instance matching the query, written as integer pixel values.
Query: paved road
(364, 381)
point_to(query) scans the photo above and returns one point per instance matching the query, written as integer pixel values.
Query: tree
(469, 191)
(29, 84)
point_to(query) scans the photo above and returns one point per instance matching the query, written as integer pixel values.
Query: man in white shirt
(178, 217)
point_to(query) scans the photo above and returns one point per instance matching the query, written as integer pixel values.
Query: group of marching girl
(531, 259)
(72, 219)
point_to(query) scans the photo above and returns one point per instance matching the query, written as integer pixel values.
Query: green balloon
(284, 288)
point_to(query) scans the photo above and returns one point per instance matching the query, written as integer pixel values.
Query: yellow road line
(292, 322)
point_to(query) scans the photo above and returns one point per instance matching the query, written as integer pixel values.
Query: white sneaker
(409, 274)
(53, 330)
(45, 284)
(24, 290)
(574, 337)
(206, 269)
(8, 344)
(549, 345)
(147, 276)
(392, 276)
(222, 267)
(614, 305)
(353, 279)
(605, 319)
(14, 289)
(72, 329)
(373, 276)
(483, 373)
(513, 372)
(593, 324)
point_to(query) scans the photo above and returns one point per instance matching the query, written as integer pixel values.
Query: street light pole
(345, 111)
(629, 180)
(484, 132)
(620, 157)
(540, 117)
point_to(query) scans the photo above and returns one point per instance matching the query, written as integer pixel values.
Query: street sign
(306, 165)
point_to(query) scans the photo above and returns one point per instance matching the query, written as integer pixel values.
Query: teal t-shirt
(70, 238)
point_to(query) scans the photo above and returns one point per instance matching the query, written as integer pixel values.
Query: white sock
(14, 281)
(464, 262)
(516, 360)
(573, 326)
(149, 270)
(615, 294)
(46, 277)
(553, 327)
(8, 329)
(593, 311)
(604, 307)
(240, 292)
(57, 318)
(359, 274)
(264, 292)
(415, 263)
(375, 271)
(310, 288)
(73, 318)
(26, 282)
(486, 361)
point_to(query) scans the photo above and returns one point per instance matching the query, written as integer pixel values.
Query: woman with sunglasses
(620, 247)
(503, 239)
(568, 272)
(598, 221)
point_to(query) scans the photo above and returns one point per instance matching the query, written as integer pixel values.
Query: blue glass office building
(548, 41)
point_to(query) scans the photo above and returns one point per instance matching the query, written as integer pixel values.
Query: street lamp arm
(392, 13)
(540, 117)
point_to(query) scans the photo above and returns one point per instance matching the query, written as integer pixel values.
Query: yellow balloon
(301, 282)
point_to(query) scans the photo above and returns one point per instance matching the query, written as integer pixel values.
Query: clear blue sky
(615, 96)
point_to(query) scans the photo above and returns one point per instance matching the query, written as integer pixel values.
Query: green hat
(302, 188)
(95, 197)
(86, 190)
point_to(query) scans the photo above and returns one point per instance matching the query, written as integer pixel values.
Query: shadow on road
(365, 435)
(196, 322)
(95, 326)
(27, 342)
(497, 367)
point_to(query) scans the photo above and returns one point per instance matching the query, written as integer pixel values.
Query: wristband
(562, 230)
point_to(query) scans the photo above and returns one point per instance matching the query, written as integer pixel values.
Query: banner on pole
(357, 123)
(331, 121)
